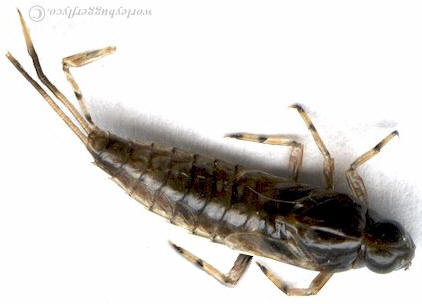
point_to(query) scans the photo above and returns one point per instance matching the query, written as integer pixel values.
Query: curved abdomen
(248, 210)
(210, 197)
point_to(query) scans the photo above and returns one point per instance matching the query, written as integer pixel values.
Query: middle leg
(328, 160)
(317, 283)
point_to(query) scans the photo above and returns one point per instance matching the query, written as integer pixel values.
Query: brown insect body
(248, 210)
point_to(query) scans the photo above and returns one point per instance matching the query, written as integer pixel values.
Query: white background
(185, 76)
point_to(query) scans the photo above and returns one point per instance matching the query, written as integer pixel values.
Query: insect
(251, 211)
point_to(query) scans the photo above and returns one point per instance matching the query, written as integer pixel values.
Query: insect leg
(354, 180)
(31, 50)
(296, 155)
(317, 283)
(78, 60)
(230, 279)
(328, 160)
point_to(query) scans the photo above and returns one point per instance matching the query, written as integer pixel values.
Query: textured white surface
(185, 76)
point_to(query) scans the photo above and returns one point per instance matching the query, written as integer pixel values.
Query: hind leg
(78, 60)
(296, 154)
(230, 279)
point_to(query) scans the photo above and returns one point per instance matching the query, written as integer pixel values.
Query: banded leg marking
(79, 60)
(230, 279)
(328, 169)
(317, 283)
(296, 155)
(354, 180)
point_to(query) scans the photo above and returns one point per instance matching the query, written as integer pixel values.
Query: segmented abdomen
(247, 210)
(211, 198)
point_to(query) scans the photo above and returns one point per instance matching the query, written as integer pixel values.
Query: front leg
(317, 283)
(354, 180)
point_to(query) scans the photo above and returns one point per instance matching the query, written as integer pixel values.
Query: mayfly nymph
(251, 211)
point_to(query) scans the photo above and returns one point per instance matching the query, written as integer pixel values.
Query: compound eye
(390, 232)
